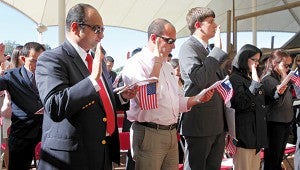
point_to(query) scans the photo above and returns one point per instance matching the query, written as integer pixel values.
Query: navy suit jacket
(25, 102)
(74, 127)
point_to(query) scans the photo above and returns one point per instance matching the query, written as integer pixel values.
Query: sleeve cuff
(254, 85)
(95, 84)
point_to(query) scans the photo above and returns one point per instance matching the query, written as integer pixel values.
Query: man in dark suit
(203, 126)
(109, 65)
(77, 131)
(27, 107)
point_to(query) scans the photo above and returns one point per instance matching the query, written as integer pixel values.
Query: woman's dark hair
(15, 56)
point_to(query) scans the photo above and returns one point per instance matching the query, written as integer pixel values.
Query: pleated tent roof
(137, 14)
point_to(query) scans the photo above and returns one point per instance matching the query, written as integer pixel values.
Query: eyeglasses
(255, 60)
(167, 40)
(96, 28)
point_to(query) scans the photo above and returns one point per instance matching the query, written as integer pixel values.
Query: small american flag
(225, 90)
(230, 147)
(296, 78)
(147, 96)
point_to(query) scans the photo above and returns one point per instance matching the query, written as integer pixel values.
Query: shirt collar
(201, 41)
(82, 53)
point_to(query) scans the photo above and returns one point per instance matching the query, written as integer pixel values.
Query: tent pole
(61, 20)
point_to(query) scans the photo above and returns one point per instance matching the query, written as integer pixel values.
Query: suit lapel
(84, 70)
(199, 48)
(76, 58)
(26, 79)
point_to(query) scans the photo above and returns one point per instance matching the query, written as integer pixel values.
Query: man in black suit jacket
(75, 133)
(27, 107)
(203, 126)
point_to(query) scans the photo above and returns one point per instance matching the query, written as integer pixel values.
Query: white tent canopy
(137, 14)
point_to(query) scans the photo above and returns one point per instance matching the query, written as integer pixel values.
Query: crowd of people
(65, 99)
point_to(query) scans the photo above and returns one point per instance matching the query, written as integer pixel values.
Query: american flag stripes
(147, 96)
(230, 147)
(225, 90)
(296, 78)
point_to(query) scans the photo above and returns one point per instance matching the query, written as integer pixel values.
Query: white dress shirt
(170, 97)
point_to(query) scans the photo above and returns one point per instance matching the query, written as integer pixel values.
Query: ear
(22, 58)
(153, 38)
(74, 27)
(197, 25)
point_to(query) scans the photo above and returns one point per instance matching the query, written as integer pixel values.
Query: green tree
(9, 47)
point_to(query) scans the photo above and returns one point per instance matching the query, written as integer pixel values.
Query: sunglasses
(167, 40)
(96, 28)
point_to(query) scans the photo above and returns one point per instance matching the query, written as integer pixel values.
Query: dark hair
(246, 52)
(110, 59)
(77, 14)
(197, 14)
(31, 45)
(158, 26)
(138, 49)
(15, 56)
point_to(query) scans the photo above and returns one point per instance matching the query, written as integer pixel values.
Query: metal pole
(234, 28)
(254, 24)
(228, 31)
(61, 20)
(272, 42)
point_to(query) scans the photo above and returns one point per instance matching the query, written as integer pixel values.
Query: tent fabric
(137, 14)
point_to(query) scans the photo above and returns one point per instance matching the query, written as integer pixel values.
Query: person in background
(248, 101)
(109, 65)
(153, 132)
(16, 60)
(26, 127)
(6, 109)
(200, 68)
(130, 164)
(79, 128)
(175, 64)
(296, 64)
(281, 112)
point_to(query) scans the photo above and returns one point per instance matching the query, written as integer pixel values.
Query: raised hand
(157, 53)
(218, 42)
(254, 73)
(2, 49)
(97, 63)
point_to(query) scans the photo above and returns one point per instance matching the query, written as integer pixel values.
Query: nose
(101, 35)
(173, 45)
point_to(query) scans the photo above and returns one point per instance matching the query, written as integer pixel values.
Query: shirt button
(103, 142)
(104, 119)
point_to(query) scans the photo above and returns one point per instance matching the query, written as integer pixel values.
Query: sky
(16, 27)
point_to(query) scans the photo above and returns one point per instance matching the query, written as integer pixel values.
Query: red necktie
(109, 111)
